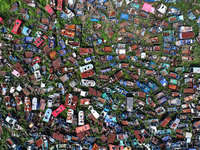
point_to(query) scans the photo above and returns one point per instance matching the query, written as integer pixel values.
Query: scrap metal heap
(99, 75)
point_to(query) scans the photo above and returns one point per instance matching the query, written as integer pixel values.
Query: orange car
(68, 33)
(82, 128)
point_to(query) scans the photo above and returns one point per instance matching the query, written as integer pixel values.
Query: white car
(83, 93)
(88, 83)
(34, 103)
(162, 8)
(12, 89)
(70, 114)
(81, 118)
(38, 75)
(121, 51)
(50, 101)
(86, 68)
(185, 29)
(11, 121)
(93, 112)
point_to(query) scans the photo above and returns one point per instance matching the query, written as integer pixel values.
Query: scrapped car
(34, 103)
(144, 15)
(161, 8)
(56, 112)
(162, 80)
(174, 19)
(50, 11)
(172, 1)
(68, 14)
(26, 31)
(184, 42)
(52, 42)
(86, 68)
(186, 35)
(84, 51)
(42, 27)
(173, 11)
(121, 91)
(88, 83)
(39, 42)
(27, 102)
(62, 43)
(16, 26)
(81, 118)
(68, 33)
(70, 114)
(47, 115)
(185, 29)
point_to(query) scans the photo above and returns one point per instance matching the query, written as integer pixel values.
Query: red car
(139, 136)
(36, 60)
(16, 26)
(87, 74)
(39, 42)
(50, 10)
(71, 101)
(82, 128)
(186, 35)
(83, 51)
(56, 112)
(1, 20)
(27, 102)
(59, 6)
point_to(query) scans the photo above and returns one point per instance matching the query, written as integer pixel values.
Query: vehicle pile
(99, 75)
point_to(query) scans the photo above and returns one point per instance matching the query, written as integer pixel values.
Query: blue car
(152, 85)
(27, 60)
(143, 87)
(52, 42)
(63, 16)
(121, 91)
(28, 39)
(98, 6)
(191, 16)
(172, 1)
(91, 1)
(169, 46)
(102, 1)
(3, 30)
(62, 44)
(183, 42)
(162, 80)
(169, 39)
(124, 16)
(62, 52)
(132, 58)
(152, 65)
(162, 100)
(33, 48)
(166, 139)
(14, 58)
(26, 31)
(47, 115)
(95, 18)
(109, 57)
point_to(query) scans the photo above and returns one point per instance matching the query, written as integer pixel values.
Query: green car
(180, 69)
(173, 81)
